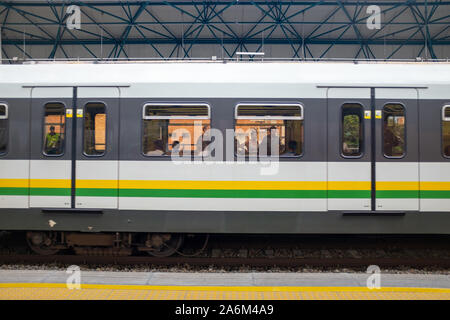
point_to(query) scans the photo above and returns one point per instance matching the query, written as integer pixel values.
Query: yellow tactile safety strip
(58, 291)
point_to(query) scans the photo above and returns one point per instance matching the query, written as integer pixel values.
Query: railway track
(226, 262)
(284, 252)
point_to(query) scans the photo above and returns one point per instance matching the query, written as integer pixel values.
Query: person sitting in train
(158, 149)
(265, 147)
(202, 142)
(292, 149)
(52, 142)
(251, 144)
(176, 149)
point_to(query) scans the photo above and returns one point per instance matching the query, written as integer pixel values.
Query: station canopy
(233, 29)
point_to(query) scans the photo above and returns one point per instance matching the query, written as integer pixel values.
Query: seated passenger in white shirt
(158, 149)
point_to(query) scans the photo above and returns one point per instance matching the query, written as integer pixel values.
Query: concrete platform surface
(252, 279)
(99, 285)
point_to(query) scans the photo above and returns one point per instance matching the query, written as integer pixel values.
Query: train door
(97, 163)
(50, 148)
(349, 154)
(74, 148)
(397, 152)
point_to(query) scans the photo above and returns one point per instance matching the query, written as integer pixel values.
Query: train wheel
(41, 243)
(164, 245)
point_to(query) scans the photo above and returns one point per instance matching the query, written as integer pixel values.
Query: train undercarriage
(116, 244)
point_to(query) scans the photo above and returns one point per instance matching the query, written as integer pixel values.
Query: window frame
(238, 117)
(382, 132)
(444, 119)
(301, 118)
(5, 117)
(341, 131)
(208, 117)
(65, 130)
(106, 130)
(184, 104)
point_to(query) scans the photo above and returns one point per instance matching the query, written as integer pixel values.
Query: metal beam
(188, 24)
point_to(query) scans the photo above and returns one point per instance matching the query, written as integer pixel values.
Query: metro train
(87, 151)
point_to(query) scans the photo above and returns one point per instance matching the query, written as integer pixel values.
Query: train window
(394, 130)
(54, 129)
(257, 123)
(446, 130)
(180, 126)
(352, 130)
(94, 129)
(3, 111)
(3, 128)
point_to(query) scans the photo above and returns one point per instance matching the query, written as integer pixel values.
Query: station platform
(99, 285)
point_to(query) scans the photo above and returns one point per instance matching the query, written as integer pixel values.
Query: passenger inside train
(266, 147)
(52, 142)
(158, 146)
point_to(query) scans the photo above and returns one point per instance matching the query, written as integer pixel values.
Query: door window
(446, 131)
(94, 129)
(394, 139)
(352, 139)
(3, 128)
(54, 129)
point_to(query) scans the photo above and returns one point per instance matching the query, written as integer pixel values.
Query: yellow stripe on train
(14, 183)
(98, 184)
(225, 185)
(397, 185)
(50, 183)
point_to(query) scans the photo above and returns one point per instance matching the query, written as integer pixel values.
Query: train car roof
(289, 74)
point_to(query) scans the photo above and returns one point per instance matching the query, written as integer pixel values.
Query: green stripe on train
(194, 193)
(413, 194)
(268, 194)
(14, 191)
(344, 194)
(91, 192)
(35, 191)
(397, 194)
(431, 194)
(189, 193)
(50, 192)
